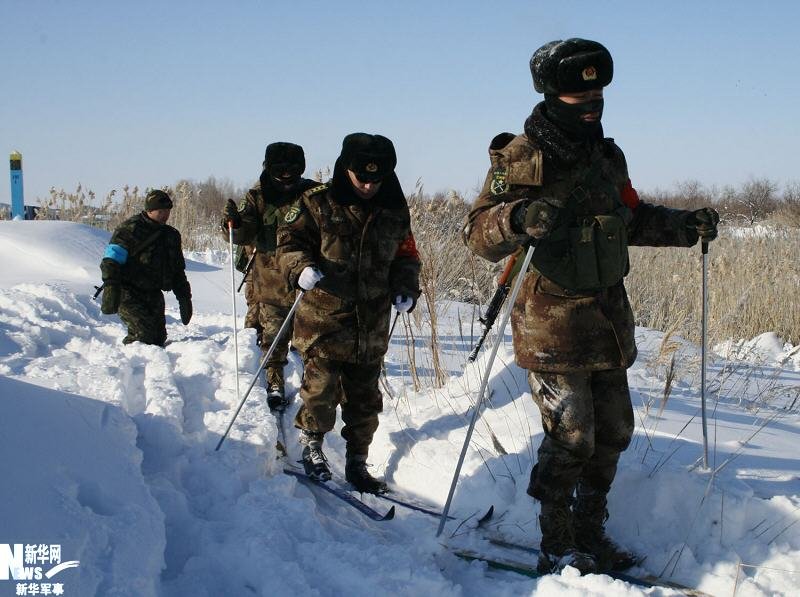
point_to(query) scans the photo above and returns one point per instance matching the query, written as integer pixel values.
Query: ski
(410, 504)
(396, 497)
(342, 494)
(527, 568)
(281, 443)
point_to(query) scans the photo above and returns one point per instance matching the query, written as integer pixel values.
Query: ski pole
(394, 323)
(233, 300)
(484, 383)
(263, 364)
(383, 361)
(703, 342)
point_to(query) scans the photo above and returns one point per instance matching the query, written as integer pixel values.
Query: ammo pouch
(588, 256)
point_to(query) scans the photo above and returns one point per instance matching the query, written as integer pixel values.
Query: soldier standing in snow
(269, 297)
(565, 188)
(143, 258)
(349, 245)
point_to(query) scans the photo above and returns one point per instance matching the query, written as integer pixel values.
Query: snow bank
(71, 477)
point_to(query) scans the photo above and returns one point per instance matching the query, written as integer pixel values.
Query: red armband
(408, 248)
(629, 195)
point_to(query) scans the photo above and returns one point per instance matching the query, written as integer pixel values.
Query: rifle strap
(147, 242)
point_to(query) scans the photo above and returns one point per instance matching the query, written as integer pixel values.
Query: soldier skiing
(348, 245)
(565, 188)
(269, 297)
(143, 258)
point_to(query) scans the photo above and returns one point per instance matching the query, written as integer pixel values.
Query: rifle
(493, 310)
(247, 269)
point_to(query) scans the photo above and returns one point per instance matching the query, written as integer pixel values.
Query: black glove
(704, 221)
(231, 214)
(185, 306)
(536, 218)
(111, 297)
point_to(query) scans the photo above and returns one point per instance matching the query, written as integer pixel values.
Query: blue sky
(146, 93)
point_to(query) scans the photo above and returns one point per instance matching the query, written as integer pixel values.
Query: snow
(109, 452)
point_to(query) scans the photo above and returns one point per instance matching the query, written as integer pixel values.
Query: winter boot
(314, 461)
(590, 515)
(276, 396)
(558, 547)
(355, 471)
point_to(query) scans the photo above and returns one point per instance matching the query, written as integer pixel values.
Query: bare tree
(757, 199)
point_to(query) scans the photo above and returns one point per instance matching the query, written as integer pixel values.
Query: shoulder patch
(499, 183)
(317, 189)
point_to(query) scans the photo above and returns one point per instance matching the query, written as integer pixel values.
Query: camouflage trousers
(266, 319)
(326, 384)
(588, 422)
(143, 312)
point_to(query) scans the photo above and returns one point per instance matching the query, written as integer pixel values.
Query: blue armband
(116, 253)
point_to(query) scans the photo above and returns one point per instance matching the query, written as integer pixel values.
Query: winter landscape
(109, 454)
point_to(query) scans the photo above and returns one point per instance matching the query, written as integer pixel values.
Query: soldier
(256, 223)
(564, 188)
(349, 245)
(143, 258)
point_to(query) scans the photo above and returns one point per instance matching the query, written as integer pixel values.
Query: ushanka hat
(571, 66)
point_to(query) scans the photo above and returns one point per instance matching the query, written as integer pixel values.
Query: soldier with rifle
(255, 222)
(564, 187)
(143, 258)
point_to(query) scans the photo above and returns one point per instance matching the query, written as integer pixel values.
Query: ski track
(234, 524)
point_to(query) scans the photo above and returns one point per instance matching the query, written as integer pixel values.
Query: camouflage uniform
(577, 343)
(268, 295)
(366, 251)
(573, 327)
(142, 275)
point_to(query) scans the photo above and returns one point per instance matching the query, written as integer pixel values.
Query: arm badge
(292, 214)
(499, 182)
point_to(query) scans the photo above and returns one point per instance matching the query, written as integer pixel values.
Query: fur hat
(370, 157)
(570, 66)
(284, 153)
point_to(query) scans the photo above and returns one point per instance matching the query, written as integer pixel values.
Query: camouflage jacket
(135, 262)
(558, 329)
(261, 215)
(366, 251)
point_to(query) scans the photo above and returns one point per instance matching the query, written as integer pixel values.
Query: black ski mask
(567, 117)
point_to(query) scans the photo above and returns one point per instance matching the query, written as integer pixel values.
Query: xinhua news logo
(33, 566)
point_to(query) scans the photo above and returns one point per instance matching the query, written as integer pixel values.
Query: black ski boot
(355, 471)
(314, 461)
(273, 380)
(590, 516)
(558, 547)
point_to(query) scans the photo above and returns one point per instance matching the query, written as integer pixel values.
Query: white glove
(403, 303)
(309, 278)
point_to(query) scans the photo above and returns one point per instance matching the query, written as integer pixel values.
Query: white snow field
(108, 452)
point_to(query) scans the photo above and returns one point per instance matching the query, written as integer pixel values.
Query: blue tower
(17, 198)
